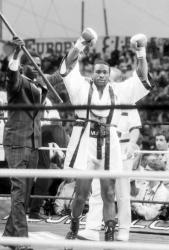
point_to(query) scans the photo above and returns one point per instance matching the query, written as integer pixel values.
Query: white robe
(78, 90)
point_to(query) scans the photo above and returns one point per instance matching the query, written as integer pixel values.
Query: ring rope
(74, 120)
(52, 148)
(41, 197)
(82, 243)
(152, 151)
(69, 243)
(72, 173)
(136, 151)
(64, 107)
(71, 198)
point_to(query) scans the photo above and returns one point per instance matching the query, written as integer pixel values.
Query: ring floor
(56, 229)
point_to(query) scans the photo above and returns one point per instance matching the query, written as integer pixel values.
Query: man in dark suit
(22, 135)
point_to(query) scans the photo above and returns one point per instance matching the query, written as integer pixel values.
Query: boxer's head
(101, 73)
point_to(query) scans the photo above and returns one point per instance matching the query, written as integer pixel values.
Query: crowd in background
(124, 60)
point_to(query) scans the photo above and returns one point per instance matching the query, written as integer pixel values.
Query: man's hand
(130, 150)
(55, 150)
(18, 44)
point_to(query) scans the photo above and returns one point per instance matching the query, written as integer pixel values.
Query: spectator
(126, 73)
(114, 59)
(157, 161)
(66, 189)
(166, 48)
(150, 191)
(161, 143)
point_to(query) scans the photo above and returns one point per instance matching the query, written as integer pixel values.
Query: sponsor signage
(106, 44)
(156, 226)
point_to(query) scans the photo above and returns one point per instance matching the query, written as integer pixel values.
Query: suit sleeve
(13, 75)
(55, 78)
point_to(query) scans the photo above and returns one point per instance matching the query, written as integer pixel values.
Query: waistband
(98, 132)
(80, 123)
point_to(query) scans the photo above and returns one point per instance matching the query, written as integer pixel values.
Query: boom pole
(105, 18)
(1, 35)
(82, 16)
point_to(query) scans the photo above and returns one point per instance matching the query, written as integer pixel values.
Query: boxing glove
(87, 38)
(139, 43)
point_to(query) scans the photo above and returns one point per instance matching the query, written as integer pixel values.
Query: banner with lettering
(142, 226)
(104, 44)
(60, 46)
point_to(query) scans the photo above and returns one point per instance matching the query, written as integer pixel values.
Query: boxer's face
(101, 75)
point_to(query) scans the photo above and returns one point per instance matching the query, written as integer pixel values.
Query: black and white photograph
(84, 124)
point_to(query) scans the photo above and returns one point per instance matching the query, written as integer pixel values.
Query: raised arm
(87, 39)
(139, 85)
(75, 83)
(14, 64)
(139, 43)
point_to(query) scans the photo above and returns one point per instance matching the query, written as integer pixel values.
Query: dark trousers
(24, 158)
(5, 185)
(43, 186)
